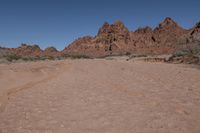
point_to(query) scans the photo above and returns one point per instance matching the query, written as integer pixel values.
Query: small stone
(62, 125)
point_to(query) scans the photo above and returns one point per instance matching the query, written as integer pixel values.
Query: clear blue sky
(59, 22)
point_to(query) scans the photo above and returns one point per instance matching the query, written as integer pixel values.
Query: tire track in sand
(5, 95)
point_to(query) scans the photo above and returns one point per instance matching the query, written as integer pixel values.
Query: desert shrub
(76, 56)
(12, 57)
(29, 58)
(80, 57)
(128, 54)
(59, 58)
(25, 59)
(138, 55)
(50, 58)
(182, 53)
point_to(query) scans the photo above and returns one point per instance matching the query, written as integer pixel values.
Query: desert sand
(99, 96)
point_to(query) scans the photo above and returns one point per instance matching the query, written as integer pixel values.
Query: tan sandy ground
(99, 96)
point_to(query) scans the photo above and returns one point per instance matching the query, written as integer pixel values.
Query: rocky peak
(23, 46)
(28, 50)
(36, 47)
(196, 29)
(84, 39)
(118, 24)
(104, 29)
(144, 30)
(51, 49)
(106, 25)
(33, 47)
(198, 25)
(109, 34)
(78, 43)
(168, 25)
(195, 33)
(116, 27)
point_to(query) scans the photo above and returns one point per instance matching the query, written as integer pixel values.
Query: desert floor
(99, 96)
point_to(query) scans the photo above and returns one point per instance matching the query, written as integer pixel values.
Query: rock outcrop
(115, 38)
(51, 51)
(167, 35)
(190, 41)
(27, 50)
(110, 39)
(4, 52)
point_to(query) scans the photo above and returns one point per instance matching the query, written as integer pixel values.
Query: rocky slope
(188, 47)
(112, 38)
(51, 51)
(115, 38)
(3, 51)
(27, 50)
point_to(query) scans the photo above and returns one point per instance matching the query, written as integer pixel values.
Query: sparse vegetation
(185, 56)
(76, 56)
(137, 56)
(182, 53)
(12, 57)
(128, 54)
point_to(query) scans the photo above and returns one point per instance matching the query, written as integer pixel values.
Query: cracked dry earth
(99, 96)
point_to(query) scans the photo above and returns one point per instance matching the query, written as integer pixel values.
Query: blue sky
(59, 22)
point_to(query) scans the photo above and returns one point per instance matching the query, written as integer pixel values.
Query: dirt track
(113, 96)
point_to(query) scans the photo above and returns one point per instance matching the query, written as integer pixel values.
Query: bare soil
(99, 96)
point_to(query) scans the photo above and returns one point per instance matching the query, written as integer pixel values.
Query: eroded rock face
(191, 40)
(195, 32)
(116, 38)
(110, 39)
(51, 51)
(113, 33)
(82, 43)
(167, 35)
(81, 46)
(27, 50)
(4, 51)
(142, 40)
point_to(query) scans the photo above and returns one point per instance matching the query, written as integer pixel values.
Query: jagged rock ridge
(115, 38)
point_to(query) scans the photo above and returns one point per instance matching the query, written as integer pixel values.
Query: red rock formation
(4, 51)
(168, 37)
(27, 50)
(195, 32)
(143, 41)
(190, 40)
(116, 38)
(51, 51)
(110, 39)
